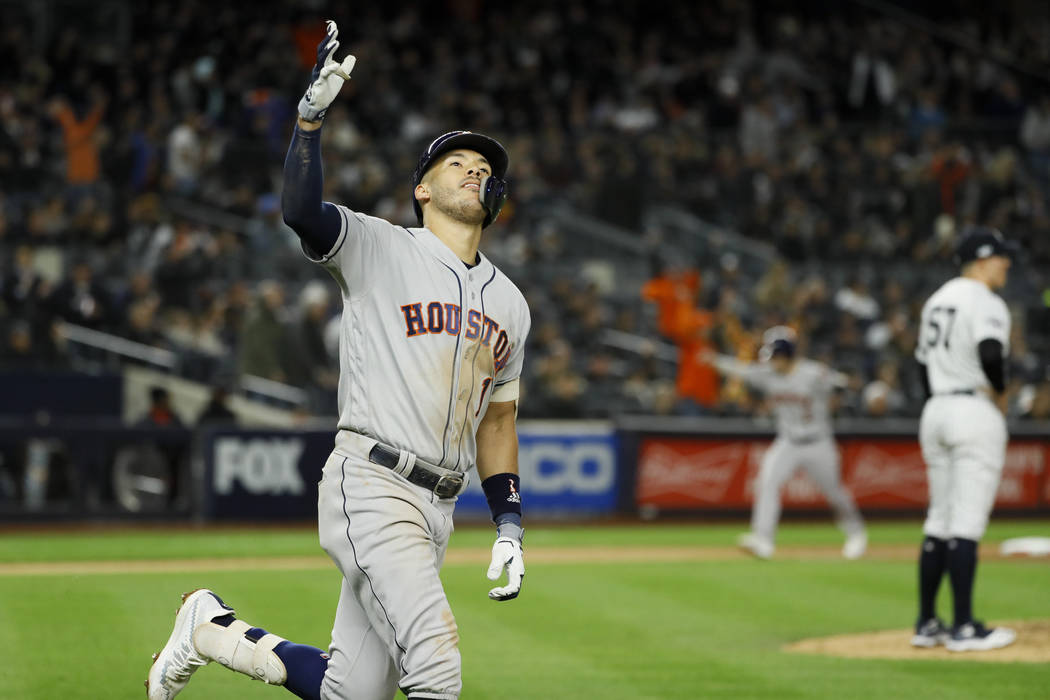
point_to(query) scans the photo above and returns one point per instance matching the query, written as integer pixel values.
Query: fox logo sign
(260, 465)
(446, 318)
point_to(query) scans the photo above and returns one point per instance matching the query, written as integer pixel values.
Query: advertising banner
(882, 472)
(566, 468)
(263, 475)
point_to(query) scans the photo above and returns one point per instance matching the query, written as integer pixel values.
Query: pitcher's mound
(1032, 645)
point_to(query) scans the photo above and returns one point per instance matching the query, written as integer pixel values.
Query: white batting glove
(327, 78)
(507, 554)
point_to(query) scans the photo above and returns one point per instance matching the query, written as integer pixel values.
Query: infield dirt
(1032, 645)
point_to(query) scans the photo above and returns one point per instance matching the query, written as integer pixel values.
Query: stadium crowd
(140, 180)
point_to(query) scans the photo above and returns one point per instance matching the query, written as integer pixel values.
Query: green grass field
(706, 629)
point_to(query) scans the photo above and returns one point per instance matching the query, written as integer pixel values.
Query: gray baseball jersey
(799, 398)
(963, 435)
(426, 343)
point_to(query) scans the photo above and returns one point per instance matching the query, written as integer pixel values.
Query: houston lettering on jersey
(437, 317)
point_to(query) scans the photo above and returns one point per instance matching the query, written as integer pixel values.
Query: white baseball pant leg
(821, 461)
(394, 627)
(778, 464)
(963, 441)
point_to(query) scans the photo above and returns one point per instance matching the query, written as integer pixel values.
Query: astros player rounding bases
(799, 391)
(430, 354)
(963, 340)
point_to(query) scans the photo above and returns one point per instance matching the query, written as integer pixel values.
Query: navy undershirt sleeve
(924, 381)
(316, 222)
(991, 353)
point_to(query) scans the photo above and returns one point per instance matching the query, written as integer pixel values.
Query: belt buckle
(448, 485)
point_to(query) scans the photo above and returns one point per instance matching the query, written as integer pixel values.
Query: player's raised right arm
(728, 365)
(316, 222)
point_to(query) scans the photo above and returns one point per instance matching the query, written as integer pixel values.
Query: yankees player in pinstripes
(963, 342)
(799, 391)
(430, 354)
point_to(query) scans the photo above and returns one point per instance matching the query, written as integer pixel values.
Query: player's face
(454, 185)
(998, 267)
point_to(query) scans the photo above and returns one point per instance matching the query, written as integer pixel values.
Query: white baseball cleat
(756, 545)
(930, 634)
(974, 636)
(856, 545)
(176, 662)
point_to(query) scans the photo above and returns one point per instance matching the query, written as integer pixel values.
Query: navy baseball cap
(489, 147)
(778, 340)
(979, 242)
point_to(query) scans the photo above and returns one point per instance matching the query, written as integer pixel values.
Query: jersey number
(941, 320)
(484, 388)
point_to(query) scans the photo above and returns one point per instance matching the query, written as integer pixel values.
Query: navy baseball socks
(962, 567)
(300, 668)
(957, 556)
(930, 631)
(933, 561)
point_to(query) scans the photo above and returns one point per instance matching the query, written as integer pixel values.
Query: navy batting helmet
(979, 242)
(493, 192)
(778, 340)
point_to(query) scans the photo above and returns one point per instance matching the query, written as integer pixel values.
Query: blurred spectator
(217, 410)
(81, 138)
(310, 366)
(82, 300)
(186, 157)
(160, 413)
(882, 396)
(264, 340)
(1035, 137)
(22, 287)
(1034, 401)
(18, 351)
(857, 301)
(680, 320)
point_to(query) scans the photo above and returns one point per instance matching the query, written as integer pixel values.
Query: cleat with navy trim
(176, 662)
(930, 633)
(974, 636)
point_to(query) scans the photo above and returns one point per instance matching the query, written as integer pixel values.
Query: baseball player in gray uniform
(799, 391)
(430, 354)
(962, 346)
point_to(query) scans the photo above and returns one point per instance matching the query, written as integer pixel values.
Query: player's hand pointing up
(327, 78)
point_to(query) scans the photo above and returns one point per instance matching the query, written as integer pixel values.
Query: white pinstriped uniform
(426, 344)
(962, 433)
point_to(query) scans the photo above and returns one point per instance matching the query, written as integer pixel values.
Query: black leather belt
(957, 392)
(445, 483)
(805, 440)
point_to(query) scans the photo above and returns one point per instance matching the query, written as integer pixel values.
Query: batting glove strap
(327, 78)
(509, 530)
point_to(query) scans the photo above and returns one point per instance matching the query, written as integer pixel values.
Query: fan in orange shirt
(80, 136)
(683, 322)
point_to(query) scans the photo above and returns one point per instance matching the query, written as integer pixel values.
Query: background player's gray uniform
(426, 344)
(962, 433)
(800, 402)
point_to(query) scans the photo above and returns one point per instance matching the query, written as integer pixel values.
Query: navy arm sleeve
(316, 222)
(924, 381)
(991, 353)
